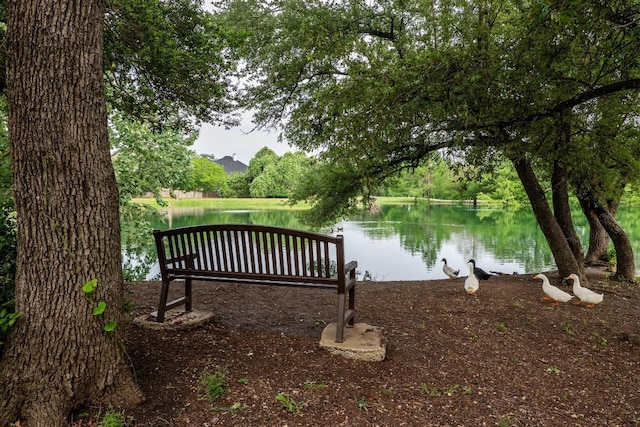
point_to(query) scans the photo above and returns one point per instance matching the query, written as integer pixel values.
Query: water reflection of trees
(510, 235)
(138, 247)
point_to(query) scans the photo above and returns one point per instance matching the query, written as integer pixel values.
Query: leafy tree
(586, 99)
(278, 179)
(507, 188)
(148, 161)
(260, 162)
(161, 65)
(59, 354)
(145, 161)
(435, 179)
(208, 176)
(163, 62)
(238, 185)
(209, 156)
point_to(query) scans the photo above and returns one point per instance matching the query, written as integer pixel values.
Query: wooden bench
(255, 254)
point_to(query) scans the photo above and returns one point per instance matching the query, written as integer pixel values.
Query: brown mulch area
(506, 358)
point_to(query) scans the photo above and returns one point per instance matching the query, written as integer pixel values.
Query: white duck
(471, 283)
(448, 270)
(552, 293)
(586, 296)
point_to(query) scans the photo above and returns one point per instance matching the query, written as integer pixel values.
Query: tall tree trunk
(562, 210)
(625, 262)
(565, 260)
(58, 355)
(598, 237)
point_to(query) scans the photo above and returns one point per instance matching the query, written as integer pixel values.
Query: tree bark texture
(58, 355)
(565, 260)
(562, 210)
(598, 237)
(625, 262)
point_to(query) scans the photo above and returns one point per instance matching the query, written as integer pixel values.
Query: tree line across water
(272, 176)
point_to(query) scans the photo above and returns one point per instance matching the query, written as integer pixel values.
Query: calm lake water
(407, 241)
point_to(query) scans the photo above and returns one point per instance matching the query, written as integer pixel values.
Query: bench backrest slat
(240, 250)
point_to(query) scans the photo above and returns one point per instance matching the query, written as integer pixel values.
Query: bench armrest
(350, 266)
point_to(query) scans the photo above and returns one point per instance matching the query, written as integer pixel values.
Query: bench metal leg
(187, 295)
(352, 298)
(164, 294)
(346, 309)
(340, 325)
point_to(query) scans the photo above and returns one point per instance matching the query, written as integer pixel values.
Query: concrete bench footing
(361, 342)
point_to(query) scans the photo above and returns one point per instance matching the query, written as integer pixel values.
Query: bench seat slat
(252, 281)
(217, 276)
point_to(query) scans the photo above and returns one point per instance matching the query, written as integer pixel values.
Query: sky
(221, 142)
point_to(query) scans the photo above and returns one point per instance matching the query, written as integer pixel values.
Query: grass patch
(271, 203)
(236, 408)
(502, 327)
(314, 386)
(361, 403)
(225, 204)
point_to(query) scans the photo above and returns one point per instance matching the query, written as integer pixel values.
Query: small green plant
(313, 386)
(568, 329)
(431, 391)
(212, 385)
(451, 390)
(519, 303)
(236, 408)
(243, 380)
(289, 403)
(553, 370)
(333, 267)
(113, 418)
(88, 288)
(507, 422)
(601, 341)
(502, 327)
(361, 403)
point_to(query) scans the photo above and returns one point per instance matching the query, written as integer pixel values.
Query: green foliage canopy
(208, 176)
(148, 161)
(377, 87)
(164, 63)
(280, 177)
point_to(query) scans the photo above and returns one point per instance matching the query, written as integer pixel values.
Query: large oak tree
(60, 354)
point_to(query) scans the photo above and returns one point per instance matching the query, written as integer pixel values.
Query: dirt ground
(506, 358)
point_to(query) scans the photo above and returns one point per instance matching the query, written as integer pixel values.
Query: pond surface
(407, 241)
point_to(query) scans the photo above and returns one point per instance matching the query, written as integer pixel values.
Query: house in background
(231, 164)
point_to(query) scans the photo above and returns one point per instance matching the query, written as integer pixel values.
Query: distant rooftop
(231, 165)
